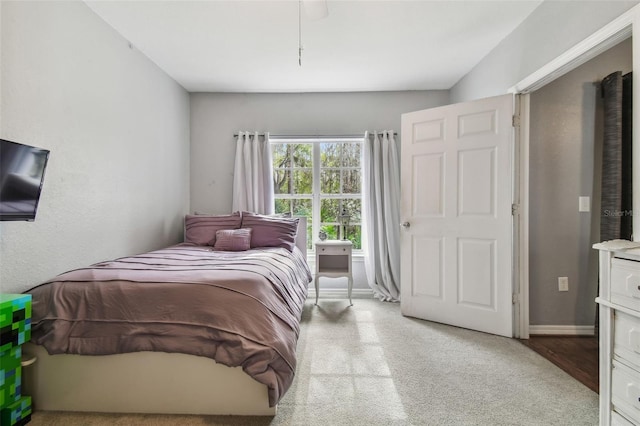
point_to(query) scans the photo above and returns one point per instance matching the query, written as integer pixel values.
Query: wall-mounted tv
(21, 176)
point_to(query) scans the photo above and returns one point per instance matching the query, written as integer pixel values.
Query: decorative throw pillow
(268, 231)
(233, 240)
(201, 229)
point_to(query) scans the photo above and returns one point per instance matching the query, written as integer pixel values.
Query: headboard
(301, 238)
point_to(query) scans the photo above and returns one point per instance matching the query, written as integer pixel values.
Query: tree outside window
(318, 180)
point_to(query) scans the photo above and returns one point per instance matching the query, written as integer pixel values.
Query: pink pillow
(201, 229)
(233, 240)
(269, 231)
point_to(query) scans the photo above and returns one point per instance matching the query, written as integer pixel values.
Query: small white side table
(333, 260)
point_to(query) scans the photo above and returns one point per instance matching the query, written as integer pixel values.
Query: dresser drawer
(619, 420)
(625, 283)
(626, 341)
(333, 250)
(625, 391)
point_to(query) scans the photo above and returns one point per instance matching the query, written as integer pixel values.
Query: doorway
(565, 147)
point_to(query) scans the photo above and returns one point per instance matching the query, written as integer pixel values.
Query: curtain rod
(358, 136)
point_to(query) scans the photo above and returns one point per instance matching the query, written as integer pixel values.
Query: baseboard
(341, 293)
(562, 330)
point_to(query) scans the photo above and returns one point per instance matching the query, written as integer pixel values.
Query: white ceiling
(252, 46)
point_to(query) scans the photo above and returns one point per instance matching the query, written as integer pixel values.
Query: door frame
(608, 36)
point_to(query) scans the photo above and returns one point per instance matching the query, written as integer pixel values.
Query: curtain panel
(381, 201)
(616, 206)
(253, 174)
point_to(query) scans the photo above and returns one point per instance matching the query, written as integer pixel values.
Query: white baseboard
(341, 293)
(562, 330)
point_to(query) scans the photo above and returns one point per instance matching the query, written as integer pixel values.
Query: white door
(456, 208)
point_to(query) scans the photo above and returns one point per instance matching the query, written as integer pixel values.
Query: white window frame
(316, 196)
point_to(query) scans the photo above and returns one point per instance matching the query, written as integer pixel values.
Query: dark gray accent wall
(565, 156)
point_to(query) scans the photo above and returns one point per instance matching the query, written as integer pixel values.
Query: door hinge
(514, 299)
(515, 120)
(514, 209)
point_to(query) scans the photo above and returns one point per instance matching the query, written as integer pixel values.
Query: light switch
(584, 204)
(563, 283)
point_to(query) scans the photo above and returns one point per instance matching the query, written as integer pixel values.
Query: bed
(187, 329)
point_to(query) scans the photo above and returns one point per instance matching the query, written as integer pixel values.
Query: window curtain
(253, 175)
(381, 200)
(616, 206)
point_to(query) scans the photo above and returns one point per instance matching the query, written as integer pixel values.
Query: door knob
(406, 225)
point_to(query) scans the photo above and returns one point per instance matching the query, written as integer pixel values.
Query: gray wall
(561, 166)
(117, 181)
(216, 116)
(565, 152)
(553, 28)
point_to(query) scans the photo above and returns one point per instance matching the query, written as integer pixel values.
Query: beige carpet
(369, 365)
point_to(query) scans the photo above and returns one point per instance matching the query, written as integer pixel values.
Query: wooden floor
(578, 356)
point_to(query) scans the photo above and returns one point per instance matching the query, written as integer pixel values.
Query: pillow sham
(269, 231)
(233, 239)
(201, 229)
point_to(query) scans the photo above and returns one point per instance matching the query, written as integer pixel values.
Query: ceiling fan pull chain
(300, 33)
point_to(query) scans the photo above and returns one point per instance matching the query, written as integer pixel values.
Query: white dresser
(619, 301)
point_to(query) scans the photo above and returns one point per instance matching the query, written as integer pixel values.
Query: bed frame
(141, 382)
(144, 382)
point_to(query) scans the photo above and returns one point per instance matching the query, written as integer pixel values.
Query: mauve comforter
(239, 308)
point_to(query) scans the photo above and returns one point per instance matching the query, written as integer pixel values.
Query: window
(319, 178)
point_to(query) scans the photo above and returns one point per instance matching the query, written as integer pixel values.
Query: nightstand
(333, 260)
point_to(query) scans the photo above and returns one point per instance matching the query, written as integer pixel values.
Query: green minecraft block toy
(10, 386)
(15, 320)
(17, 413)
(9, 363)
(15, 330)
(10, 360)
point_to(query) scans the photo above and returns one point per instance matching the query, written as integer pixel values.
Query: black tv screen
(21, 176)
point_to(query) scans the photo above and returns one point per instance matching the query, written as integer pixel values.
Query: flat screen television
(21, 176)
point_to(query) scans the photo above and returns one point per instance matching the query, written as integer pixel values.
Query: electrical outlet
(563, 283)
